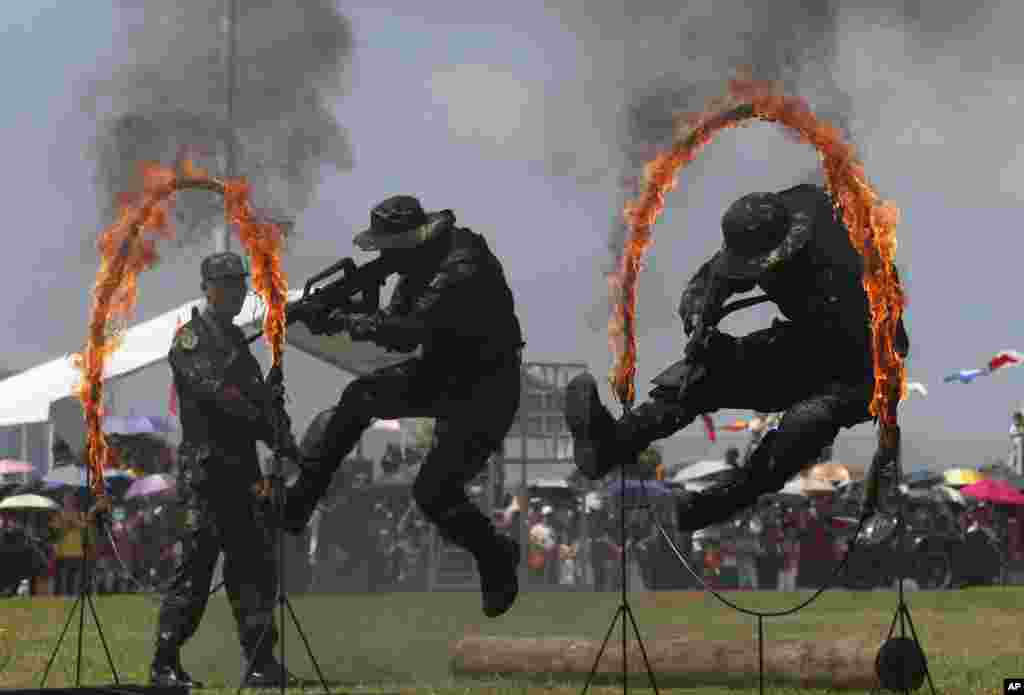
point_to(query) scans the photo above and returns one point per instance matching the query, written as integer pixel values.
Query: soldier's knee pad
(358, 396)
(313, 444)
(331, 434)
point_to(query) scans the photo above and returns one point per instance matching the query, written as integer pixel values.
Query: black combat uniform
(455, 303)
(816, 365)
(224, 409)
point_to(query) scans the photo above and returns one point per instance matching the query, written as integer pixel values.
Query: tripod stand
(85, 586)
(276, 493)
(624, 610)
(901, 663)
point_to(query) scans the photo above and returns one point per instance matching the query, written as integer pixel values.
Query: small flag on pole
(709, 427)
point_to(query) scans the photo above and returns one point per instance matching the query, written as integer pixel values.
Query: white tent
(26, 397)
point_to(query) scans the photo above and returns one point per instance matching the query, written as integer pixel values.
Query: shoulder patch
(186, 338)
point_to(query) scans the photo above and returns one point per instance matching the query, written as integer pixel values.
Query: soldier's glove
(358, 327)
(287, 448)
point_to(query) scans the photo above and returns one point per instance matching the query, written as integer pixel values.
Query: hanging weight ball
(900, 665)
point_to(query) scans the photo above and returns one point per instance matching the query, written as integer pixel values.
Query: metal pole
(524, 496)
(221, 240)
(51, 434)
(24, 442)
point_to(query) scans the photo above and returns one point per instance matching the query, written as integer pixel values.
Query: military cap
(222, 265)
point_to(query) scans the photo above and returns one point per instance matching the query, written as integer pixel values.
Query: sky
(523, 118)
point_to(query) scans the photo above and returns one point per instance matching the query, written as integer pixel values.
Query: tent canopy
(26, 397)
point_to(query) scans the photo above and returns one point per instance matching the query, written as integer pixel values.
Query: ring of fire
(125, 253)
(871, 224)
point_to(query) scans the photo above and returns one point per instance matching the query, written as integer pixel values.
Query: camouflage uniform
(224, 408)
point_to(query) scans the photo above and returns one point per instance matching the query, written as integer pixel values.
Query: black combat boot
(592, 427)
(265, 671)
(300, 499)
(600, 442)
(166, 670)
(497, 555)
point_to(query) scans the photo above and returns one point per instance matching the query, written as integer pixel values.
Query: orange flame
(126, 250)
(871, 224)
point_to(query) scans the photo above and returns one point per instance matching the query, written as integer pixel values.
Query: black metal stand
(277, 496)
(624, 610)
(85, 586)
(901, 664)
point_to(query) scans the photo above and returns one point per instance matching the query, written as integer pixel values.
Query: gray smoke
(169, 98)
(871, 67)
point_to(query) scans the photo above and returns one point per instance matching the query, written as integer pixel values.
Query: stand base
(123, 689)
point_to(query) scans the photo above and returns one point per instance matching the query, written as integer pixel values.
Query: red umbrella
(994, 491)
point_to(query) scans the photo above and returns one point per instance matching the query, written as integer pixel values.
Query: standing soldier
(225, 406)
(452, 300)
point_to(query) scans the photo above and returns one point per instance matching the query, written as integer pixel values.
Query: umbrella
(28, 502)
(922, 478)
(11, 466)
(150, 485)
(639, 488)
(994, 491)
(944, 493)
(118, 480)
(73, 476)
(700, 469)
(1006, 475)
(958, 477)
(808, 486)
(832, 472)
(136, 424)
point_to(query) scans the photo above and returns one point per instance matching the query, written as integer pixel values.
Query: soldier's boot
(497, 555)
(600, 442)
(325, 444)
(261, 669)
(166, 669)
(592, 427)
(302, 497)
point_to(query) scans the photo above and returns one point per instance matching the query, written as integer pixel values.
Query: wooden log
(676, 662)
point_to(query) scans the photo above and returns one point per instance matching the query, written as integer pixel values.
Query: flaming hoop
(870, 221)
(125, 252)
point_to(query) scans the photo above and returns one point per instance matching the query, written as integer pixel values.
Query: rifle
(691, 369)
(356, 290)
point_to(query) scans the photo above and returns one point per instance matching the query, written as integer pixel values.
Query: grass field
(377, 643)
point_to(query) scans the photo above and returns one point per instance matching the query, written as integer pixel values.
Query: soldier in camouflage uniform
(452, 300)
(817, 365)
(225, 407)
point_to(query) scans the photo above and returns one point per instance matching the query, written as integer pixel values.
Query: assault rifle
(691, 369)
(355, 290)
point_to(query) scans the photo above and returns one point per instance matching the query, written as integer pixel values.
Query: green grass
(399, 642)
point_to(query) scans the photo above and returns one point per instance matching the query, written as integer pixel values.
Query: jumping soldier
(452, 300)
(817, 365)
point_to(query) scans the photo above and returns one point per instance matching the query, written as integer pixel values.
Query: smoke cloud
(909, 83)
(169, 97)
